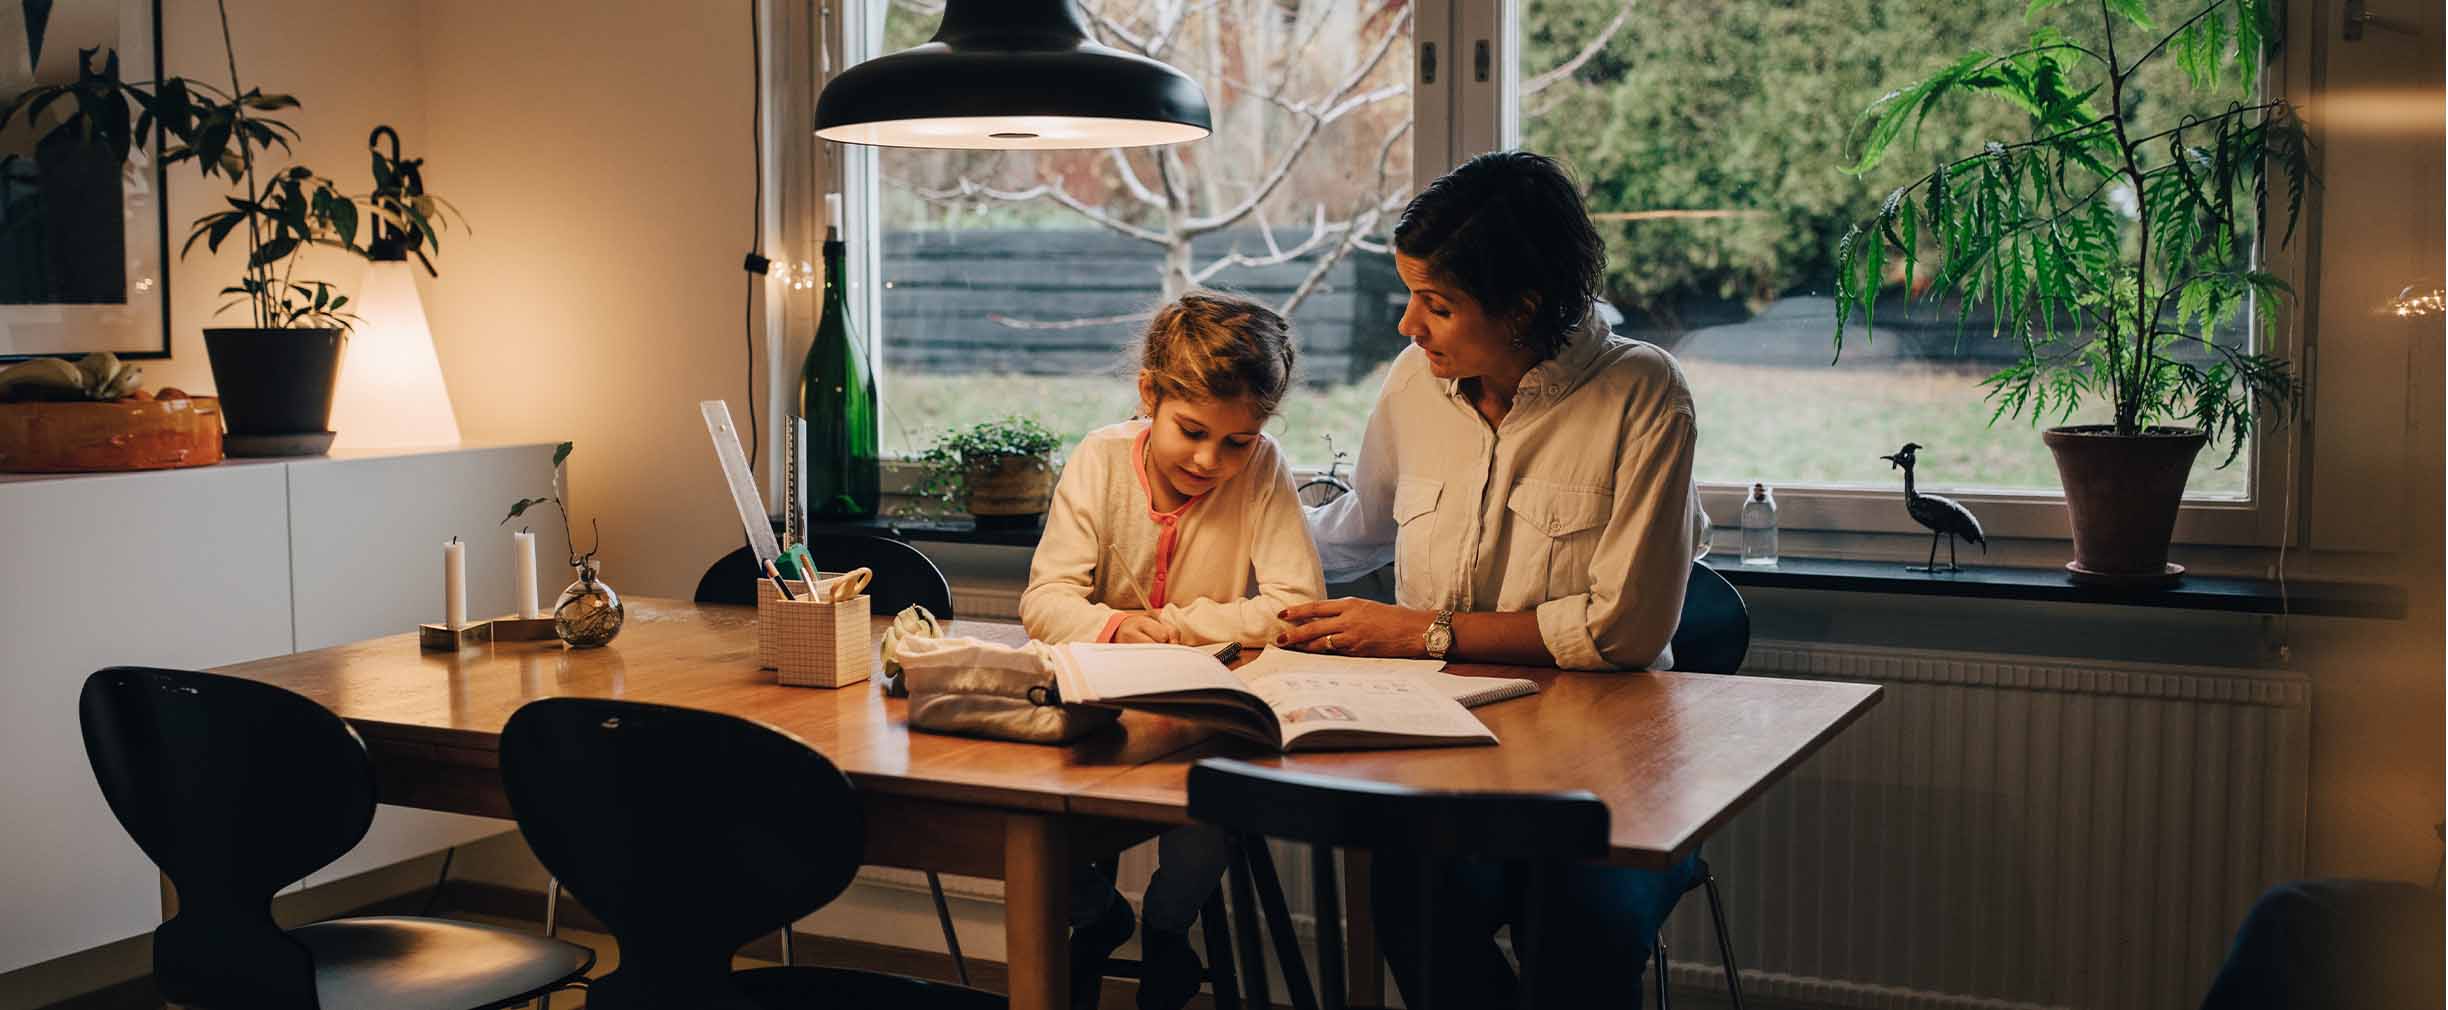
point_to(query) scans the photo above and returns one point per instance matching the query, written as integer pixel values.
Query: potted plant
(275, 377)
(2105, 245)
(1001, 472)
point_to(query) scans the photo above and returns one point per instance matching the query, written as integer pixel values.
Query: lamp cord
(756, 224)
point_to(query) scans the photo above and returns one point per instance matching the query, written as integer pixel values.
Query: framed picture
(84, 228)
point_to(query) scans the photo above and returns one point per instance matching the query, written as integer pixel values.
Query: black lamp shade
(1012, 75)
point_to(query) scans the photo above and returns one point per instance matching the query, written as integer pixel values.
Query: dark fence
(1036, 302)
(1013, 301)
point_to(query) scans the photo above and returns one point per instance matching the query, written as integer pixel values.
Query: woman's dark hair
(1507, 228)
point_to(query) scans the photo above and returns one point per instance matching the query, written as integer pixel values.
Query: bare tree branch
(1541, 82)
(1130, 179)
(1299, 144)
(1319, 232)
(1352, 239)
(1050, 190)
(1000, 319)
(1674, 215)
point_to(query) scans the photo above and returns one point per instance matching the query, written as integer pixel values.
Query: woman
(1529, 474)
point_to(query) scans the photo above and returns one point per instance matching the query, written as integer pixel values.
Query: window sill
(2195, 592)
(2227, 594)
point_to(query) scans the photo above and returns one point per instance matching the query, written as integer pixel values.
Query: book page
(1390, 705)
(1470, 691)
(1097, 671)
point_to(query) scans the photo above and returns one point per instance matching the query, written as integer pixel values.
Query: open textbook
(1288, 700)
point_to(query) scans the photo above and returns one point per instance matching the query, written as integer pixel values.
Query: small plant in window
(2113, 250)
(1000, 471)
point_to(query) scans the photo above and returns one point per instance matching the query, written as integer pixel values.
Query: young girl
(1179, 526)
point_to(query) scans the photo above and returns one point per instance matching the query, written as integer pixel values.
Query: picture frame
(69, 284)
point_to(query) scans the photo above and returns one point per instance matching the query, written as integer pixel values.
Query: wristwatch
(1440, 634)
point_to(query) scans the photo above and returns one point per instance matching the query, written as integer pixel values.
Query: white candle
(522, 553)
(454, 584)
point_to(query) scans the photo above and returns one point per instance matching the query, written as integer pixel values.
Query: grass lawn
(1779, 424)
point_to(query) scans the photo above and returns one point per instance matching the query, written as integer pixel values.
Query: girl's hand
(1355, 627)
(1142, 628)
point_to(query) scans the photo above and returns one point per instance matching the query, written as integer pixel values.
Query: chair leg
(943, 914)
(552, 925)
(787, 958)
(1725, 938)
(1220, 970)
(1658, 962)
(1279, 923)
(1327, 901)
(1245, 922)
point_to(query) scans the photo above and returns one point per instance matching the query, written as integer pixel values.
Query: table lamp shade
(391, 391)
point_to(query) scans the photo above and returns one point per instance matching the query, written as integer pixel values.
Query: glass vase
(588, 613)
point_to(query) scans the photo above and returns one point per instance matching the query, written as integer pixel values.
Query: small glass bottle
(1759, 527)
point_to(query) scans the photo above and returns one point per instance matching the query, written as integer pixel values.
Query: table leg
(1362, 968)
(1036, 920)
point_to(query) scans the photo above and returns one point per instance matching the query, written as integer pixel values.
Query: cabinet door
(185, 569)
(366, 537)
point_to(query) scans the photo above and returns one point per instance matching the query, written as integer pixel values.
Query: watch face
(1440, 638)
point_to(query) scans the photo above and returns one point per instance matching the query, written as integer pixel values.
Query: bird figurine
(1943, 517)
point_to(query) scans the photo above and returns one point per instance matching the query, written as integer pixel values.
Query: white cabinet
(198, 568)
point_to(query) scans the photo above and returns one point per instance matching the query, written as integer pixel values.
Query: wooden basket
(810, 644)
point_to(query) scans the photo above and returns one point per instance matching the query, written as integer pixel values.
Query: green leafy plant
(947, 462)
(519, 508)
(225, 132)
(2101, 243)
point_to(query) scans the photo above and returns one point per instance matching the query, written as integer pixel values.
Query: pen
(776, 575)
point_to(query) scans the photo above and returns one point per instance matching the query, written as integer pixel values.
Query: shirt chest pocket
(1415, 546)
(1556, 528)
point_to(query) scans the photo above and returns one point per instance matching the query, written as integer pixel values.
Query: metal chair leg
(552, 925)
(1279, 924)
(1664, 1001)
(1245, 922)
(1725, 937)
(943, 914)
(787, 958)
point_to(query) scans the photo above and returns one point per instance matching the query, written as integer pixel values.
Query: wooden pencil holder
(810, 644)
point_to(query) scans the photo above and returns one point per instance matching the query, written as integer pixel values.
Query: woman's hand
(1139, 627)
(1354, 627)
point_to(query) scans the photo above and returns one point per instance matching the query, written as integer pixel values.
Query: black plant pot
(276, 387)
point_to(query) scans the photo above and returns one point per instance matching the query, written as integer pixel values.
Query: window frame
(1459, 115)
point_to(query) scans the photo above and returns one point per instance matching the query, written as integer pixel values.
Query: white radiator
(2008, 831)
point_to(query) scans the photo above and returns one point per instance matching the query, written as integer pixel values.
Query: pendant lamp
(1012, 75)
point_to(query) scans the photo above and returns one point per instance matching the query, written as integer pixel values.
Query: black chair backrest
(903, 576)
(1715, 633)
(687, 833)
(1536, 830)
(235, 789)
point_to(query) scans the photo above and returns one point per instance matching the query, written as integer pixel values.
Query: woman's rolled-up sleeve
(1627, 617)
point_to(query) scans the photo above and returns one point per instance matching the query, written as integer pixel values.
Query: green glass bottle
(837, 404)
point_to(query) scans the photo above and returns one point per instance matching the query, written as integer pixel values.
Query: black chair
(1713, 637)
(1538, 830)
(236, 789)
(690, 833)
(903, 576)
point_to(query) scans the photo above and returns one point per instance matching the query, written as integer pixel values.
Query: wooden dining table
(1672, 755)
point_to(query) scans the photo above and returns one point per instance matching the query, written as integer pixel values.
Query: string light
(2417, 303)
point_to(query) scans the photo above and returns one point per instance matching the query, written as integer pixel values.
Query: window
(1015, 282)
(1710, 145)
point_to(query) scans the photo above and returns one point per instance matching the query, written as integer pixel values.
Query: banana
(99, 368)
(42, 379)
(121, 384)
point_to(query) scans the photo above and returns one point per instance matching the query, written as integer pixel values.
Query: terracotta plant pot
(123, 435)
(2122, 492)
(275, 382)
(1009, 490)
